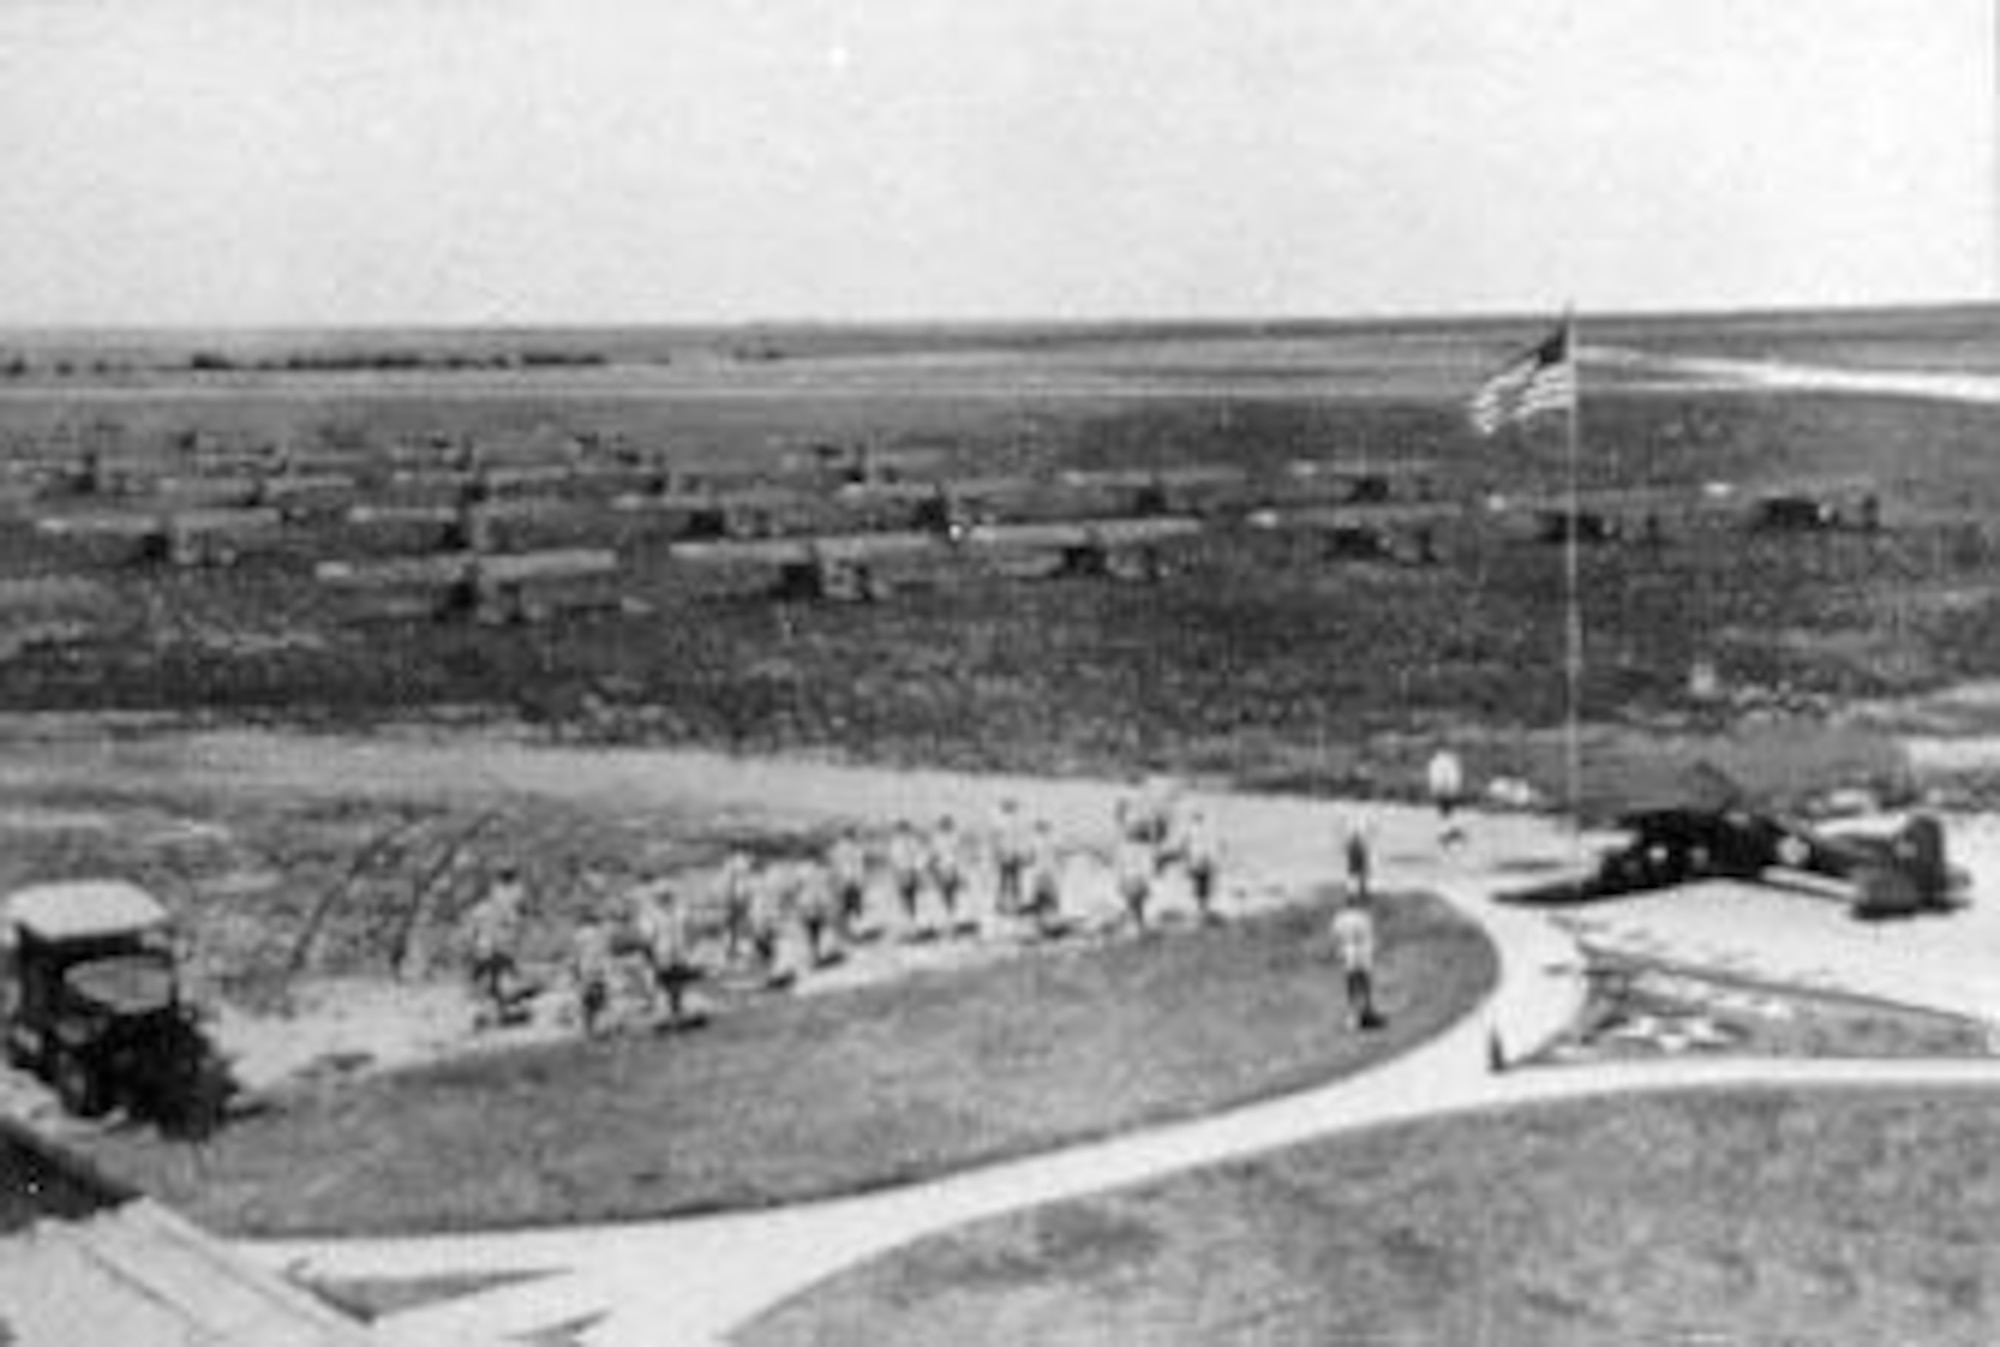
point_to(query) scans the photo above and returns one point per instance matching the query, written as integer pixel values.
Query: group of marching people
(648, 920)
(776, 917)
(826, 900)
(772, 919)
(949, 881)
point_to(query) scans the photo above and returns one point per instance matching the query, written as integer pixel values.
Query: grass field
(1254, 642)
(1840, 1219)
(825, 1094)
(1256, 659)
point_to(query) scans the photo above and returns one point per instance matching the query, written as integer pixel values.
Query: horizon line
(1406, 318)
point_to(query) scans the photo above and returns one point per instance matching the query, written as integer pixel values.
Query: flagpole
(1572, 598)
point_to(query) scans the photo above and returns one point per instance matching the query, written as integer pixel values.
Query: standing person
(813, 899)
(1130, 814)
(1044, 879)
(1446, 778)
(848, 863)
(591, 970)
(947, 860)
(1125, 815)
(771, 911)
(1360, 864)
(906, 870)
(1132, 864)
(661, 929)
(735, 891)
(1354, 940)
(1159, 813)
(494, 933)
(1011, 847)
(1136, 814)
(1201, 852)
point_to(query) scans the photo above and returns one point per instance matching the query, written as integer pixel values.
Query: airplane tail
(1920, 849)
(1916, 876)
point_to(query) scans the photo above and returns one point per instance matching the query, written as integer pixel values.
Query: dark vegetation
(343, 362)
(39, 1182)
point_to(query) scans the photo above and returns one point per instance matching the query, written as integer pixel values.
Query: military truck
(93, 1003)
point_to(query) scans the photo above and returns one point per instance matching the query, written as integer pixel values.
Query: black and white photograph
(1084, 672)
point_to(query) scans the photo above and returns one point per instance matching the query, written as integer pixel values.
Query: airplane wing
(805, 550)
(147, 524)
(445, 568)
(1681, 500)
(1111, 532)
(1327, 518)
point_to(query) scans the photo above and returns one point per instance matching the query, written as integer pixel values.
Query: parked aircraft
(491, 588)
(184, 537)
(1408, 533)
(1896, 873)
(1650, 513)
(850, 566)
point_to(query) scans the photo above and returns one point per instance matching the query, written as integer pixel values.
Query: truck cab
(93, 1001)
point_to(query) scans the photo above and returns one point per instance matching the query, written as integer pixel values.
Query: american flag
(1542, 380)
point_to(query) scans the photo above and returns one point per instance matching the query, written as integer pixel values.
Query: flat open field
(834, 1093)
(1255, 657)
(1767, 1217)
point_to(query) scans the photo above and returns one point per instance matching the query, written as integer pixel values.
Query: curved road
(692, 1280)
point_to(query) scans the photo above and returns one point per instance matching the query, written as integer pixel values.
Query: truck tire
(77, 1086)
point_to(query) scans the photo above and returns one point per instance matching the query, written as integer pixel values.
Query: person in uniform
(948, 859)
(773, 909)
(494, 934)
(1044, 879)
(1201, 851)
(592, 970)
(1132, 865)
(848, 862)
(813, 900)
(1125, 816)
(1445, 778)
(661, 929)
(1159, 813)
(906, 870)
(1011, 847)
(1360, 864)
(1354, 941)
(735, 894)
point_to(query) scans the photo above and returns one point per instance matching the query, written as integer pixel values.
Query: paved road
(691, 1281)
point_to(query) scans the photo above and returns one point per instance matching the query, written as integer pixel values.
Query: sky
(277, 162)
